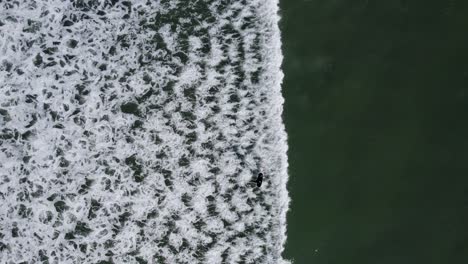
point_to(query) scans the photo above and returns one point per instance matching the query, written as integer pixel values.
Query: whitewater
(133, 132)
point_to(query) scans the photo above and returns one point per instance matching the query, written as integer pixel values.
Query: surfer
(259, 179)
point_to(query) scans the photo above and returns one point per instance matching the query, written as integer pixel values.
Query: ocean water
(375, 110)
(133, 131)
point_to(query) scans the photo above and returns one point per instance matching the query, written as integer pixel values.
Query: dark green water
(377, 116)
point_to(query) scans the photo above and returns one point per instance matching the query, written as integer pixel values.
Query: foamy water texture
(131, 132)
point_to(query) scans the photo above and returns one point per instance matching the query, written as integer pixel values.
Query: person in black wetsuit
(259, 179)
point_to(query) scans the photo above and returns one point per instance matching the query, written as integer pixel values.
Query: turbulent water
(132, 132)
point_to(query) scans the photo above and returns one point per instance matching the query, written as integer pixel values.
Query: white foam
(140, 143)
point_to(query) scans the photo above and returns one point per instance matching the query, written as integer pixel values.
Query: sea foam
(133, 131)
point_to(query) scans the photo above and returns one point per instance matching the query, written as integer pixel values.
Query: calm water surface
(377, 116)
